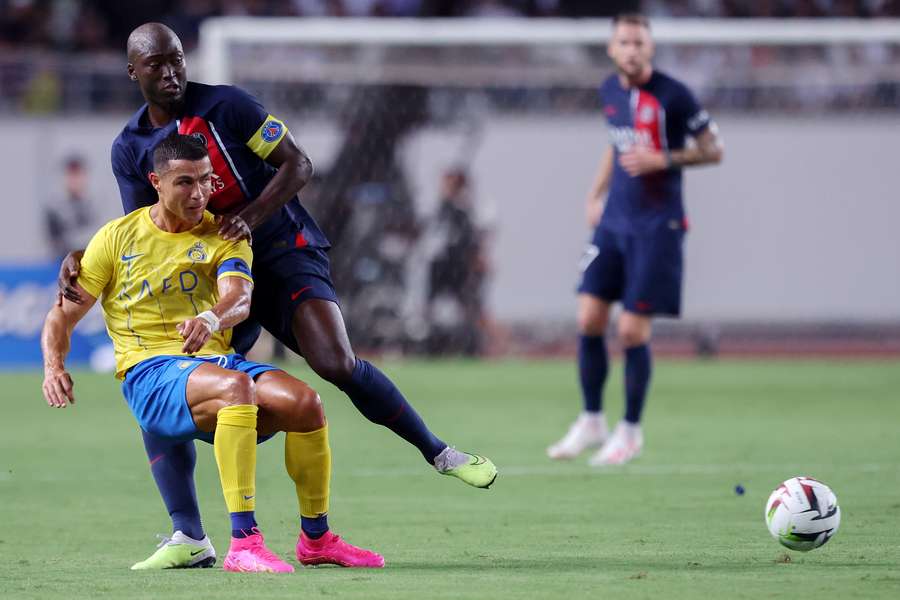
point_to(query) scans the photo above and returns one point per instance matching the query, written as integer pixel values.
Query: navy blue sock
(637, 379)
(379, 400)
(593, 366)
(242, 524)
(172, 465)
(314, 527)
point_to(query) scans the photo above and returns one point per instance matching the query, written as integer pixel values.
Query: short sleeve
(694, 116)
(135, 191)
(249, 121)
(98, 263)
(235, 261)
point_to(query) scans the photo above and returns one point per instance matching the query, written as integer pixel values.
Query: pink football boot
(250, 555)
(330, 549)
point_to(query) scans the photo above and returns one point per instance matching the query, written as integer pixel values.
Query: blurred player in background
(258, 171)
(69, 216)
(635, 256)
(171, 291)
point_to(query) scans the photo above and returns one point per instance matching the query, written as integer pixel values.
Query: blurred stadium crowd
(103, 24)
(65, 56)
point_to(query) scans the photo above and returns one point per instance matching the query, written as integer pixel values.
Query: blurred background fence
(454, 155)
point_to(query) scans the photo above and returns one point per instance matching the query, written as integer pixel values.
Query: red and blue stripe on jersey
(227, 190)
(658, 115)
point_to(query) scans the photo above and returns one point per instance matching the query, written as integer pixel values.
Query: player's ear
(154, 180)
(131, 74)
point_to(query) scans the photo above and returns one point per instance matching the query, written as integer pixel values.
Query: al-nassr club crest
(197, 252)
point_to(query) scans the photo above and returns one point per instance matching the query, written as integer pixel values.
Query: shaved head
(157, 63)
(151, 38)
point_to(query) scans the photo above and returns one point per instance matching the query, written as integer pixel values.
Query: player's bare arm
(232, 308)
(706, 150)
(597, 195)
(295, 169)
(56, 338)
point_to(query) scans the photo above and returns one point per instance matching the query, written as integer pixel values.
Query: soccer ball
(802, 513)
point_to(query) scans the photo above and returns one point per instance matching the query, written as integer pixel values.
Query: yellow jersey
(150, 280)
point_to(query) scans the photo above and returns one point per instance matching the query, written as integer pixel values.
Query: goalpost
(219, 35)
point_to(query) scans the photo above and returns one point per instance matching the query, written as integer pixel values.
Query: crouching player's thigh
(179, 397)
(287, 404)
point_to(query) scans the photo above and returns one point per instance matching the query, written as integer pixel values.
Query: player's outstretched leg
(287, 404)
(321, 336)
(589, 429)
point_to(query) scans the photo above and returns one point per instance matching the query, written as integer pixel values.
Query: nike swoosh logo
(479, 460)
(126, 257)
(198, 552)
(248, 497)
(296, 294)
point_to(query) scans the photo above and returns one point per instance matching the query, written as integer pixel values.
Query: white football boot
(588, 431)
(626, 443)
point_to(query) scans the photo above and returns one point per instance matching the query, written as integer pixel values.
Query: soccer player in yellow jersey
(171, 290)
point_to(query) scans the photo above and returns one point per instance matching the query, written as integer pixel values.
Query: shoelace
(354, 550)
(164, 540)
(261, 549)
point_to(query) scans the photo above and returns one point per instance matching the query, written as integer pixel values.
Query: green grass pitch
(78, 505)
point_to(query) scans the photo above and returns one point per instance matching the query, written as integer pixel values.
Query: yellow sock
(234, 445)
(307, 457)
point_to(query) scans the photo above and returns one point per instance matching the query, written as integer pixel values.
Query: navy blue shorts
(643, 271)
(156, 392)
(286, 273)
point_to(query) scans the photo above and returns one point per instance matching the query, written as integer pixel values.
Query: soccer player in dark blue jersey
(258, 171)
(635, 256)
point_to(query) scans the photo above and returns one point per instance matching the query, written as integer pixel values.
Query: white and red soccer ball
(802, 513)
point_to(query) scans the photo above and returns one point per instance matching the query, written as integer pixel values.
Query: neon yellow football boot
(478, 471)
(179, 552)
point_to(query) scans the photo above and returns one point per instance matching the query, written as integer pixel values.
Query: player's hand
(195, 333)
(58, 388)
(233, 228)
(641, 161)
(68, 275)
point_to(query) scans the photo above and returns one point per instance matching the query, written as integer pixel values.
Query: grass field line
(568, 470)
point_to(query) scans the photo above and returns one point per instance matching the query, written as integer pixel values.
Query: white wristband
(211, 320)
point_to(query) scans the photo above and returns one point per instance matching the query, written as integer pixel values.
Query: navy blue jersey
(659, 115)
(239, 134)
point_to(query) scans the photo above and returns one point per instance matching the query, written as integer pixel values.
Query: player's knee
(309, 407)
(591, 322)
(238, 388)
(334, 367)
(631, 335)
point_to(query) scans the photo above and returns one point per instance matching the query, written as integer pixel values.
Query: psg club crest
(271, 131)
(197, 252)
